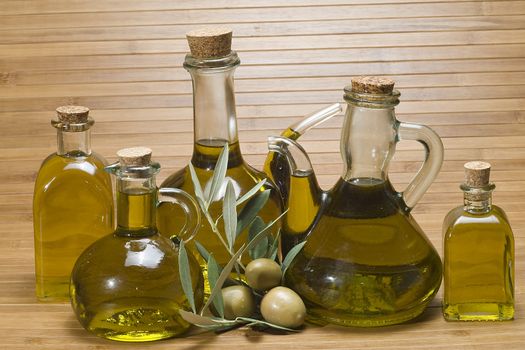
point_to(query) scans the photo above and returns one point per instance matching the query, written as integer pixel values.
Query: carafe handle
(432, 164)
(188, 205)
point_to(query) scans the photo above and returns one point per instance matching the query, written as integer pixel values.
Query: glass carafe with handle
(126, 286)
(366, 262)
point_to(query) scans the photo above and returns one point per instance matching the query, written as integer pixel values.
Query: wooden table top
(460, 66)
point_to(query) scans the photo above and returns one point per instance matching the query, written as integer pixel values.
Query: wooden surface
(460, 66)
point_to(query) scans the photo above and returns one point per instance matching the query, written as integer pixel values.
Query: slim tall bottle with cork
(211, 65)
(72, 203)
(478, 254)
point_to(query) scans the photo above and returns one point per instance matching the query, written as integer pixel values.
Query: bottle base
(324, 317)
(55, 290)
(478, 312)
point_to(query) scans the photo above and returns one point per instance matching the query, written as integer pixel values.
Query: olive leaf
(203, 321)
(251, 192)
(202, 250)
(259, 250)
(250, 210)
(185, 275)
(219, 173)
(196, 184)
(291, 255)
(213, 276)
(274, 248)
(222, 277)
(229, 212)
(255, 322)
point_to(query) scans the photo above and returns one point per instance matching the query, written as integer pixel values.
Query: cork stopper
(73, 114)
(209, 42)
(372, 85)
(477, 174)
(134, 156)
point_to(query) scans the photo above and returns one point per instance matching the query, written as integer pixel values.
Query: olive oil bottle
(72, 204)
(211, 65)
(126, 285)
(478, 254)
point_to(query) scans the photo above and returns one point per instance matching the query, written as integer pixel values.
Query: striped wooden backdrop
(460, 66)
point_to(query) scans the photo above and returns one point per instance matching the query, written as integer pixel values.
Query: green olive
(263, 274)
(238, 302)
(283, 307)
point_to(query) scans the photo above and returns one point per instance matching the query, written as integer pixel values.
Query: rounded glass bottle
(126, 286)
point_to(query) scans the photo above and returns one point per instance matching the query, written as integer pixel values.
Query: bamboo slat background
(460, 66)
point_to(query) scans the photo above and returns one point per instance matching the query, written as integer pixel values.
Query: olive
(283, 307)
(263, 274)
(238, 302)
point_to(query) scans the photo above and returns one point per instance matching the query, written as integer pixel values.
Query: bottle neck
(136, 206)
(215, 119)
(367, 142)
(477, 200)
(74, 143)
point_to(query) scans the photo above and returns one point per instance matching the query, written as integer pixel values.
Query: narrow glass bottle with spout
(478, 247)
(72, 203)
(366, 262)
(126, 285)
(211, 65)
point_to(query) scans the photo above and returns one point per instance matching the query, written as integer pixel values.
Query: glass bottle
(126, 285)
(478, 247)
(72, 204)
(211, 65)
(366, 262)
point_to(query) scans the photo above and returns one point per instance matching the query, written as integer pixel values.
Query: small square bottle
(478, 254)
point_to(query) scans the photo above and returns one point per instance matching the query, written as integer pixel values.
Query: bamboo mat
(460, 67)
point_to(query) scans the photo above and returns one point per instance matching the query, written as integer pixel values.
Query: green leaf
(222, 277)
(196, 183)
(213, 276)
(291, 255)
(202, 251)
(272, 253)
(259, 250)
(203, 321)
(229, 212)
(219, 173)
(255, 240)
(254, 321)
(251, 209)
(185, 275)
(251, 192)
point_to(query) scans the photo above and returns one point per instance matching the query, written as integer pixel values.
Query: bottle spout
(314, 119)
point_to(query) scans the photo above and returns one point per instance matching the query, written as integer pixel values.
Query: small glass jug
(366, 262)
(126, 286)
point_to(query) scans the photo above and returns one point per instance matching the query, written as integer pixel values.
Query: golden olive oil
(72, 207)
(366, 262)
(243, 178)
(478, 266)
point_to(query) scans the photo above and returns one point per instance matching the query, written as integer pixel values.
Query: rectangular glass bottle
(478, 254)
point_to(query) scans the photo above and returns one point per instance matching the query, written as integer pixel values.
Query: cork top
(209, 42)
(372, 85)
(134, 156)
(73, 114)
(477, 174)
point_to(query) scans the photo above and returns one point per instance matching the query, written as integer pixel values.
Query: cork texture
(134, 156)
(73, 114)
(372, 85)
(210, 42)
(477, 174)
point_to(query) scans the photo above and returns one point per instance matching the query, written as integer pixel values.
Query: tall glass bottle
(211, 65)
(72, 203)
(478, 254)
(126, 285)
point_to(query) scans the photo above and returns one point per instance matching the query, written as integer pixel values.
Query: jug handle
(431, 165)
(188, 205)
